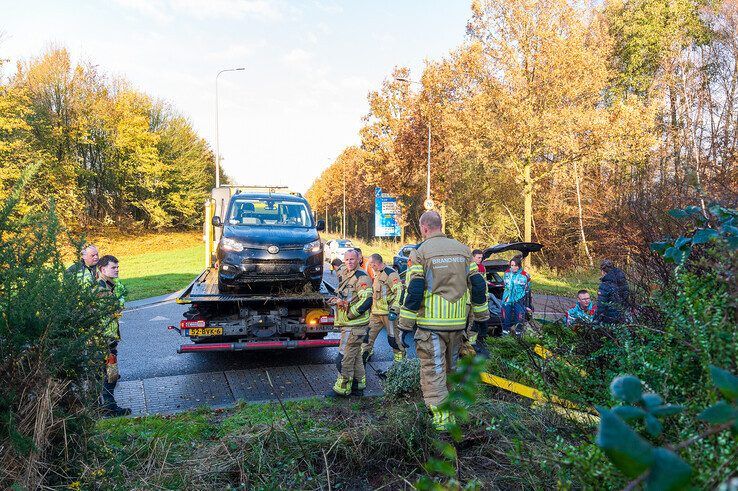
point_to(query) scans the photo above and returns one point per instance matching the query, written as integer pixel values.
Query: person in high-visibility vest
(84, 269)
(109, 284)
(387, 291)
(353, 302)
(441, 280)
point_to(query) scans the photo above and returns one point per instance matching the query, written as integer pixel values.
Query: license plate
(206, 331)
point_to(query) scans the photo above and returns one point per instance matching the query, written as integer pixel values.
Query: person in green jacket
(84, 269)
(109, 284)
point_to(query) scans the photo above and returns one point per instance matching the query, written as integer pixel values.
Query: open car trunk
(495, 268)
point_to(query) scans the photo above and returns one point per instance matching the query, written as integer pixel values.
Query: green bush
(684, 322)
(51, 355)
(403, 378)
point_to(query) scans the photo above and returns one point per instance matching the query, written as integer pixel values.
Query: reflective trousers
(438, 352)
(377, 322)
(349, 363)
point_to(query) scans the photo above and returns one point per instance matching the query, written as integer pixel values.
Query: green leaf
(667, 410)
(678, 213)
(726, 382)
(438, 466)
(669, 471)
(732, 242)
(652, 399)
(675, 255)
(705, 235)
(626, 388)
(693, 210)
(681, 242)
(625, 448)
(659, 247)
(653, 425)
(629, 412)
(718, 413)
(730, 229)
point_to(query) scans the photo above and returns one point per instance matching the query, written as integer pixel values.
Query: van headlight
(230, 245)
(313, 246)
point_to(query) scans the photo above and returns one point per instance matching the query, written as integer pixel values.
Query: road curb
(146, 302)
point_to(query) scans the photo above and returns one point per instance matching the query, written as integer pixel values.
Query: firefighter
(353, 302)
(84, 269)
(441, 280)
(387, 291)
(364, 264)
(109, 284)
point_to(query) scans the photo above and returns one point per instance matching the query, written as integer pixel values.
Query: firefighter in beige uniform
(387, 291)
(353, 303)
(442, 279)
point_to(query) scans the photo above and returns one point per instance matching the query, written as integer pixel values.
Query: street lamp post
(427, 187)
(217, 133)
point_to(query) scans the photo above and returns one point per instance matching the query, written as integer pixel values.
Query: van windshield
(269, 212)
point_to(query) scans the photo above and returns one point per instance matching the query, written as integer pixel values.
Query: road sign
(386, 213)
(428, 204)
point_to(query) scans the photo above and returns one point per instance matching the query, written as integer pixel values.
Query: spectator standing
(517, 288)
(109, 284)
(612, 295)
(84, 269)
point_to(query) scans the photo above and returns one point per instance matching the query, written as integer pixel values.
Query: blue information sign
(385, 215)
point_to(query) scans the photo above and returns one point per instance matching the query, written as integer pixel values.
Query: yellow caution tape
(546, 354)
(561, 406)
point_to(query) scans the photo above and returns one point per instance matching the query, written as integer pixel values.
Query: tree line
(108, 154)
(569, 123)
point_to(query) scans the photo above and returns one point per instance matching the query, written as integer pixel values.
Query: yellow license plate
(206, 331)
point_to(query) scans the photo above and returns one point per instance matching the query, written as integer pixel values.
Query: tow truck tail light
(326, 320)
(190, 324)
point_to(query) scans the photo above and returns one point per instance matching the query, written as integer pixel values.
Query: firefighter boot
(342, 388)
(357, 387)
(110, 407)
(441, 419)
(481, 342)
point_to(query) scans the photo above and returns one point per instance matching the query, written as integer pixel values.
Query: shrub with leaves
(403, 378)
(659, 467)
(51, 354)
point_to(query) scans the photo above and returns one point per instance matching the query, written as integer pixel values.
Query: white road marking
(159, 318)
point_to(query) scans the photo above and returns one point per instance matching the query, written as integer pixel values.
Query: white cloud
(297, 57)
(165, 10)
(237, 52)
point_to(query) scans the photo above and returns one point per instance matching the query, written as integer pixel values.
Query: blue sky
(309, 65)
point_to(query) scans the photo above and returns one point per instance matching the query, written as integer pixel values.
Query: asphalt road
(156, 379)
(148, 349)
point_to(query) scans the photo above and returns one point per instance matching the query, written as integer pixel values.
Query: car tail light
(190, 324)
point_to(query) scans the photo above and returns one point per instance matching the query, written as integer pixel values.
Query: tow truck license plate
(206, 331)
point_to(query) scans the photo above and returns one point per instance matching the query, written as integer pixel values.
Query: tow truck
(224, 319)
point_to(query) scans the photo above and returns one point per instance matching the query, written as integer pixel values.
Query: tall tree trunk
(528, 204)
(581, 220)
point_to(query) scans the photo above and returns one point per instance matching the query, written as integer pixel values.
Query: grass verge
(153, 264)
(346, 444)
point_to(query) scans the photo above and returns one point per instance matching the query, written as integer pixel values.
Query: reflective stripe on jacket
(387, 290)
(356, 288)
(442, 279)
